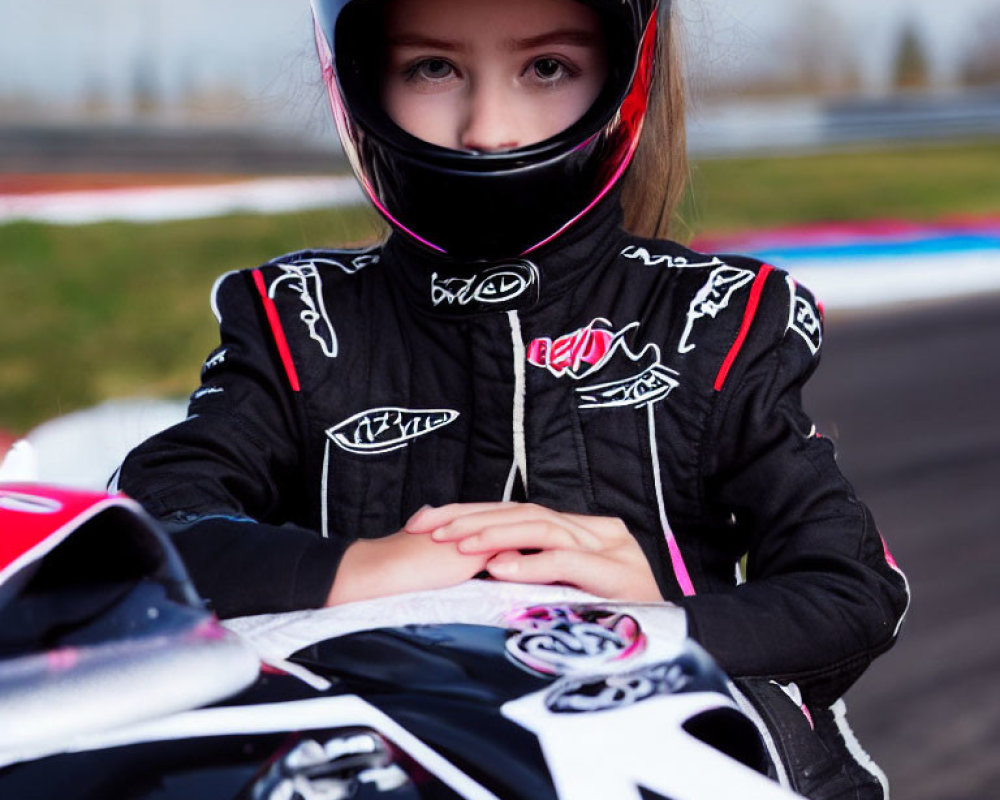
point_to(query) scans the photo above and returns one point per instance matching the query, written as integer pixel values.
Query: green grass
(917, 183)
(113, 310)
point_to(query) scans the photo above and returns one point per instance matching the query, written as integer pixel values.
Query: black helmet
(485, 204)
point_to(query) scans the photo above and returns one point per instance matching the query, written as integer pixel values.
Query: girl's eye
(432, 69)
(551, 70)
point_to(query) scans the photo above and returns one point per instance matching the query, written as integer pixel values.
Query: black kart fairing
(116, 682)
(412, 712)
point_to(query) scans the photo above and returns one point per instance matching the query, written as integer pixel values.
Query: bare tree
(982, 63)
(821, 53)
(910, 67)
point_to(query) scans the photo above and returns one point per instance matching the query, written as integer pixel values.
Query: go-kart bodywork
(116, 682)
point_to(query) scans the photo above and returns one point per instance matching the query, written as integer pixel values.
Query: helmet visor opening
(357, 29)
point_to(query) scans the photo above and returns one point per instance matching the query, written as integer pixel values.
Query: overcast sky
(56, 52)
(738, 34)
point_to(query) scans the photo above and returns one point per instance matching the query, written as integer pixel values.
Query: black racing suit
(608, 375)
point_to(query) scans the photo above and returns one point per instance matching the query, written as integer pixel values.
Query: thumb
(420, 521)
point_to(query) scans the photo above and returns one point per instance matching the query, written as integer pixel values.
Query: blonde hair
(655, 182)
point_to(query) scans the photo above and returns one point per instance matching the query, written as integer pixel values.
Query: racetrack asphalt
(911, 397)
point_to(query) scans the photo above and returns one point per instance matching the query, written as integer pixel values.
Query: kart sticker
(304, 279)
(493, 287)
(804, 318)
(560, 640)
(381, 430)
(590, 349)
(311, 768)
(604, 693)
(712, 298)
(637, 253)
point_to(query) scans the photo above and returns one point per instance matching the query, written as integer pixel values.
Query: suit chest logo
(804, 318)
(633, 378)
(489, 290)
(712, 298)
(382, 430)
(303, 279)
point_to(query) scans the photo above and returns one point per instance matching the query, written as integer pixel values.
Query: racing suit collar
(442, 285)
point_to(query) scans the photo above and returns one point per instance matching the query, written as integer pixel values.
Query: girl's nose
(490, 123)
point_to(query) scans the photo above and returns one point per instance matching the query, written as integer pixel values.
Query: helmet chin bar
(473, 205)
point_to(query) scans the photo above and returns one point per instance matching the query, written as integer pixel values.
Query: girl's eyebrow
(571, 36)
(422, 41)
(565, 36)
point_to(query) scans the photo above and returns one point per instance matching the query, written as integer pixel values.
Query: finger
(548, 566)
(440, 559)
(532, 534)
(428, 518)
(414, 523)
(514, 514)
(609, 530)
(591, 572)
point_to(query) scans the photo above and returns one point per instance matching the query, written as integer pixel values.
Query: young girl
(526, 379)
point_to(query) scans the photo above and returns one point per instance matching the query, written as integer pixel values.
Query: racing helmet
(497, 204)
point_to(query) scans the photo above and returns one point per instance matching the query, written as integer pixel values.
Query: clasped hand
(517, 542)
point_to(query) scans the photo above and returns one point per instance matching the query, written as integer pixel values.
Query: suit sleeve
(227, 480)
(822, 595)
